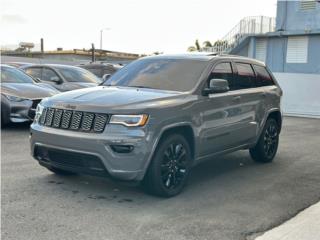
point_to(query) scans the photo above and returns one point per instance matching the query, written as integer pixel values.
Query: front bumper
(93, 153)
(22, 111)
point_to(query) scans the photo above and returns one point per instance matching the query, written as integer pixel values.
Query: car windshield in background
(73, 74)
(165, 74)
(13, 75)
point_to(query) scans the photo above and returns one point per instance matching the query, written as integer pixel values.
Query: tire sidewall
(261, 141)
(157, 161)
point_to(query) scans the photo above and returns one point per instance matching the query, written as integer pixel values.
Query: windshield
(13, 75)
(74, 74)
(166, 74)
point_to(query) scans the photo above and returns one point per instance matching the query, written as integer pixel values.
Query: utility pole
(101, 33)
(93, 58)
(41, 47)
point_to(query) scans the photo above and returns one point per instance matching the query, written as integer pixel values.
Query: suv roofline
(206, 56)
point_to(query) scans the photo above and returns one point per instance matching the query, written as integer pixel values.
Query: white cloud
(12, 19)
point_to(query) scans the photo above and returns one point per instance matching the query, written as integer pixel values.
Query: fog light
(122, 148)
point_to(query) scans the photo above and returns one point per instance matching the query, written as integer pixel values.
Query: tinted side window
(246, 77)
(34, 72)
(263, 77)
(49, 75)
(223, 71)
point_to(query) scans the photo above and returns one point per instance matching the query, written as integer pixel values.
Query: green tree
(197, 45)
(207, 44)
(192, 49)
(219, 43)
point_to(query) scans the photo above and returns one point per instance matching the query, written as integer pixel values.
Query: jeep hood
(103, 97)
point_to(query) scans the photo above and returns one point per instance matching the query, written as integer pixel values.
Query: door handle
(263, 95)
(236, 99)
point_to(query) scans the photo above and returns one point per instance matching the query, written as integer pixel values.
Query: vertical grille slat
(57, 118)
(100, 122)
(49, 117)
(43, 116)
(87, 121)
(66, 118)
(74, 120)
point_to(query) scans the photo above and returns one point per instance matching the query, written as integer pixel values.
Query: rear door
(250, 96)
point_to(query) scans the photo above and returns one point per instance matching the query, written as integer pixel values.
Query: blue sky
(141, 26)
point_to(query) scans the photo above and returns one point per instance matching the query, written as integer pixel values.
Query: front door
(221, 114)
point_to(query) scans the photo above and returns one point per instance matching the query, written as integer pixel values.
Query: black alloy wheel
(267, 146)
(170, 166)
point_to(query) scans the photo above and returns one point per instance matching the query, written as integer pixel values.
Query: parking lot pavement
(227, 198)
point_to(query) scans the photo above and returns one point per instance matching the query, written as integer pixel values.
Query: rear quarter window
(263, 76)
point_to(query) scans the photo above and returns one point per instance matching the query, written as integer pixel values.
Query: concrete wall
(277, 52)
(301, 93)
(291, 18)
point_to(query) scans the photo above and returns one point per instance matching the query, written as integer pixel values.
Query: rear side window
(246, 77)
(34, 72)
(223, 71)
(263, 77)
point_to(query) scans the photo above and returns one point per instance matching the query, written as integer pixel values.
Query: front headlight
(130, 120)
(14, 98)
(39, 111)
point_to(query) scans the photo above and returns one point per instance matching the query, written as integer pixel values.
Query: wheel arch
(276, 114)
(184, 129)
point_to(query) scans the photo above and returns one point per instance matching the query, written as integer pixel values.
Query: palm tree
(192, 49)
(197, 45)
(207, 44)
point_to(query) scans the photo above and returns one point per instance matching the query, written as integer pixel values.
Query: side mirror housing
(56, 80)
(105, 77)
(216, 86)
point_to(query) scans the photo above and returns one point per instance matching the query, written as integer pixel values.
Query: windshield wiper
(137, 86)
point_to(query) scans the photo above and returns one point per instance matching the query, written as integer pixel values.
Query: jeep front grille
(74, 120)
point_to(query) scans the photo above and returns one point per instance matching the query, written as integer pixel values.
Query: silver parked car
(20, 95)
(158, 116)
(63, 77)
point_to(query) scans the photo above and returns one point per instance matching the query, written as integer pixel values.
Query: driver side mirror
(105, 77)
(56, 80)
(216, 86)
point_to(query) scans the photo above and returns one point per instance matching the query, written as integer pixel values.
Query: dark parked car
(101, 69)
(63, 77)
(20, 95)
(159, 116)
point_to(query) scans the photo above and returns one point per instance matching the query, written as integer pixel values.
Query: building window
(307, 5)
(261, 49)
(297, 49)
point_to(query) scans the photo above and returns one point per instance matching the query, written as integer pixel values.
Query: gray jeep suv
(158, 116)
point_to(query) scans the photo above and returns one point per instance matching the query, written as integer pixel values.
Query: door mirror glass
(217, 86)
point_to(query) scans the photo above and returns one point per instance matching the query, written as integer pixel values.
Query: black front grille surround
(74, 120)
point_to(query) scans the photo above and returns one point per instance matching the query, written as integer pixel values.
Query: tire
(169, 168)
(59, 171)
(267, 146)
(5, 119)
